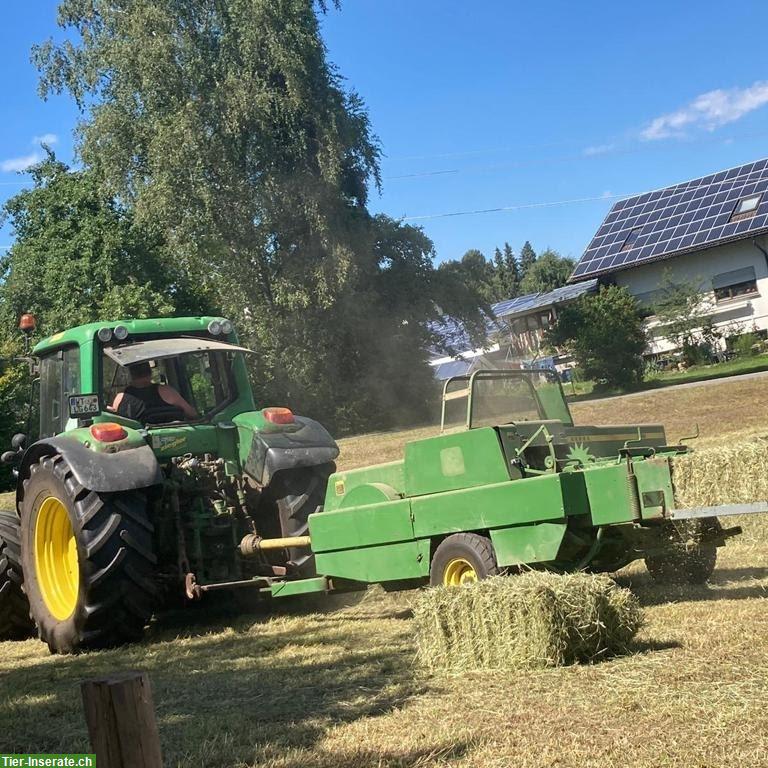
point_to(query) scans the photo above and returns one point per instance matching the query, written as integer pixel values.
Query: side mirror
(18, 441)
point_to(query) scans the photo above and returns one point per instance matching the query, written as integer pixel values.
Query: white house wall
(748, 312)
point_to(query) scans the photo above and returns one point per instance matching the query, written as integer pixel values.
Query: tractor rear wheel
(15, 623)
(687, 559)
(461, 559)
(88, 560)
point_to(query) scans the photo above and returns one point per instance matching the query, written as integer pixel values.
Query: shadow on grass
(653, 646)
(724, 585)
(254, 688)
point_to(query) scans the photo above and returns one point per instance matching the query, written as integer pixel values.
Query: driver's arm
(172, 397)
(115, 403)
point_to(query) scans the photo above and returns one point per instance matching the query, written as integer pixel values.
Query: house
(711, 231)
(515, 334)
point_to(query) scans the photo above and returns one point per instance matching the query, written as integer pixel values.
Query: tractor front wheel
(689, 558)
(15, 623)
(462, 559)
(88, 560)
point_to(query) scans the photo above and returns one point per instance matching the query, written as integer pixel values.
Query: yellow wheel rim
(459, 572)
(56, 565)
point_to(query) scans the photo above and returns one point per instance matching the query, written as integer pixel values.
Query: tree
(684, 314)
(79, 257)
(604, 332)
(506, 273)
(223, 123)
(549, 271)
(527, 258)
(476, 273)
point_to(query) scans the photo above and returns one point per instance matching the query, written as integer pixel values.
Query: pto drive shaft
(252, 544)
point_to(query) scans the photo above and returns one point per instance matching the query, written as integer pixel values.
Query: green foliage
(604, 332)
(684, 314)
(80, 257)
(14, 396)
(549, 271)
(221, 123)
(527, 258)
(506, 273)
(474, 273)
(746, 345)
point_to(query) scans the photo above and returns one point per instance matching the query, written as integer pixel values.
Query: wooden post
(121, 721)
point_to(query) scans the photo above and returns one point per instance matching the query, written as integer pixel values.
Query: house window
(746, 208)
(731, 285)
(631, 237)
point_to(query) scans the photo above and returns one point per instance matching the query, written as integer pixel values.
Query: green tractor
(190, 489)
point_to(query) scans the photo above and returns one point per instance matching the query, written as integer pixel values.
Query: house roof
(680, 219)
(454, 336)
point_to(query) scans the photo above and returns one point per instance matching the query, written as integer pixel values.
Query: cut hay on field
(728, 474)
(536, 619)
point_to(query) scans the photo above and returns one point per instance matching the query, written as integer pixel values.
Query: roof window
(631, 237)
(746, 208)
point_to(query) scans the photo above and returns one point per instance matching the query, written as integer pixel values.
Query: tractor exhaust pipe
(251, 545)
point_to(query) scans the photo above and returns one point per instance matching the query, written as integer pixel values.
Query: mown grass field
(333, 683)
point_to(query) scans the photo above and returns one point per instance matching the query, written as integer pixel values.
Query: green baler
(514, 483)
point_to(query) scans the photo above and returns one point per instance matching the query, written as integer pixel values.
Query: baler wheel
(88, 560)
(462, 559)
(15, 623)
(687, 560)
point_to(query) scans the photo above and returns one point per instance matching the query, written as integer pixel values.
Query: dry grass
(339, 688)
(536, 619)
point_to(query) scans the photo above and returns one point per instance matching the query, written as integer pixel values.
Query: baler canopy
(494, 397)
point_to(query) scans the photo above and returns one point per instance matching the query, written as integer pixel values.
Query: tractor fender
(124, 470)
(272, 452)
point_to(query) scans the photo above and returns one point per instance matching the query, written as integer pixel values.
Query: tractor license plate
(82, 406)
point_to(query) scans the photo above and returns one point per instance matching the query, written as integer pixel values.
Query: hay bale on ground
(729, 474)
(537, 619)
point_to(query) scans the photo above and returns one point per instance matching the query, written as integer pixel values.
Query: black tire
(298, 493)
(15, 623)
(476, 551)
(116, 590)
(687, 559)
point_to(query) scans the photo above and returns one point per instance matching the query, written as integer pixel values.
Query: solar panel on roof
(684, 217)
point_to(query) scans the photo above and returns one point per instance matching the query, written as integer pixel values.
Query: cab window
(59, 378)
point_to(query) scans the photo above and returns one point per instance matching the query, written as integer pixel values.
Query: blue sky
(487, 105)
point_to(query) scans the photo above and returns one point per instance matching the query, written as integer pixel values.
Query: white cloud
(15, 164)
(47, 138)
(709, 111)
(599, 149)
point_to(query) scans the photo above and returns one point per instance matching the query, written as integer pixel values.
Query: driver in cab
(142, 396)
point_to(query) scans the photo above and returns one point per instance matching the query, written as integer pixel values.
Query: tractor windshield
(491, 398)
(203, 378)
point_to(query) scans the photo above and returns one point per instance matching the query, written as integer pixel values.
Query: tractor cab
(83, 371)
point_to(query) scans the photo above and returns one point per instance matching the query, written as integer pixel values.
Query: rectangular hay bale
(728, 474)
(536, 619)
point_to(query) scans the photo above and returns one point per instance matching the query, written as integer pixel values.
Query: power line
(519, 207)
(584, 155)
